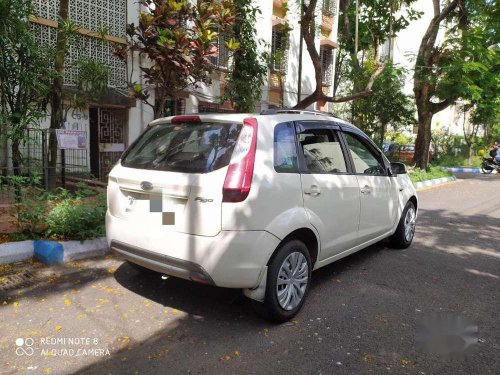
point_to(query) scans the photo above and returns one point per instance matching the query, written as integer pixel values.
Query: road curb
(462, 169)
(436, 181)
(12, 252)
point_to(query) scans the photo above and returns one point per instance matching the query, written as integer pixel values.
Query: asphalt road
(361, 316)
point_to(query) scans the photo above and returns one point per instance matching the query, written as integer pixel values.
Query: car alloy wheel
(293, 277)
(410, 220)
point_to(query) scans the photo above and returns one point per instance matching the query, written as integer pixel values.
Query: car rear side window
(285, 148)
(322, 151)
(188, 148)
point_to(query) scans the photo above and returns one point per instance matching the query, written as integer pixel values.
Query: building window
(326, 56)
(173, 107)
(279, 49)
(209, 107)
(329, 7)
(221, 60)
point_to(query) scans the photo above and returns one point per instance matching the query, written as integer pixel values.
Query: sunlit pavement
(100, 316)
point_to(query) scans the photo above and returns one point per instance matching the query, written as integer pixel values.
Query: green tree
(388, 105)
(91, 83)
(459, 68)
(247, 76)
(177, 37)
(378, 21)
(24, 80)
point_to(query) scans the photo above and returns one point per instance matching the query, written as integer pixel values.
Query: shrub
(77, 218)
(28, 204)
(62, 215)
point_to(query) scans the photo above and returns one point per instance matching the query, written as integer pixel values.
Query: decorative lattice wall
(88, 14)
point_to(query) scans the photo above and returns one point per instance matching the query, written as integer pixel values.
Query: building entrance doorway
(107, 139)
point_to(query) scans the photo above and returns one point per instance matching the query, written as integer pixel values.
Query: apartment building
(282, 86)
(116, 121)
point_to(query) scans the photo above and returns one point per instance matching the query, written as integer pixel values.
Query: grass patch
(418, 175)
(458, 161)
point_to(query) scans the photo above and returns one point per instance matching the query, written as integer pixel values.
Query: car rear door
(331, 194)
(378, 192)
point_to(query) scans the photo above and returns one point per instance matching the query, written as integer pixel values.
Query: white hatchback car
(255, 201)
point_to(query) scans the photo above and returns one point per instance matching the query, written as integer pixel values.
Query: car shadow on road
(221, 304)
(465, 245)
(218, 314)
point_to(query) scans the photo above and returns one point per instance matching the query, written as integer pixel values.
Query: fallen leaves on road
(67, 302)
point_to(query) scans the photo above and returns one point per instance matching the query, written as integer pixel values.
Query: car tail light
(186, 120)
(240, 172)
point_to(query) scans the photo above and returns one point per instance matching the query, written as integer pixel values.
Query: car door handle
(313, 190)
(366, 189)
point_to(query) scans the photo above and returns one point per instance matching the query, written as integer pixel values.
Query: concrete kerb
(12, 252)
(436, 181)
(462, 169)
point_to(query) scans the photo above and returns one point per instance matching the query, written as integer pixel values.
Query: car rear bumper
(233, 259)
(161, 263)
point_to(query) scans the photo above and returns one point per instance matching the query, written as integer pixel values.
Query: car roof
(279, 116)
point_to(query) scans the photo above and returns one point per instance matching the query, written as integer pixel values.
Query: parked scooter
(488, 165)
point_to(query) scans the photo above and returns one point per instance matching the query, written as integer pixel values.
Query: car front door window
(365, 162)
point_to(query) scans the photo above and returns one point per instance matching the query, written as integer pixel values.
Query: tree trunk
(428, 56)
(57, 117)
(422, 144)
(382, 134)
(4, 152)
(16, 157)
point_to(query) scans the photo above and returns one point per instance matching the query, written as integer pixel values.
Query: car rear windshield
(189, 148)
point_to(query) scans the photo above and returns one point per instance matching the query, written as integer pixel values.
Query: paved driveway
(99, 316)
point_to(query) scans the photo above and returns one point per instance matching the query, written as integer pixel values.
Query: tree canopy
(463, 66)
(177, 37)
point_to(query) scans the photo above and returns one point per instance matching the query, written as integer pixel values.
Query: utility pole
(356, 32)
(299, 83)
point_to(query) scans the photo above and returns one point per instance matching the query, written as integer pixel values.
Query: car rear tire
(403, 237)
(288, 280)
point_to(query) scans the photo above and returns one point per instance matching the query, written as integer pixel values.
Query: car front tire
(288, 282)
(403, 237)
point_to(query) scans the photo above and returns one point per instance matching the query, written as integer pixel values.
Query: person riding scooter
(495, 153)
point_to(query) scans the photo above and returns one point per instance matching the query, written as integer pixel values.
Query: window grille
(326, 57)
(279, 50)
(329, 7)
(221, 60)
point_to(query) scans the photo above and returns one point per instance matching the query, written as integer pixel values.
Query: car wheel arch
(308, 237)
(413, 199)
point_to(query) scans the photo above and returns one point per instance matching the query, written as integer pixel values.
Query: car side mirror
(398, 168)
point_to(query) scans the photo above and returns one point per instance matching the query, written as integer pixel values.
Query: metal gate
(108, 138)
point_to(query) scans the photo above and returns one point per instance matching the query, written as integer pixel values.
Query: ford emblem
(146, 185)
